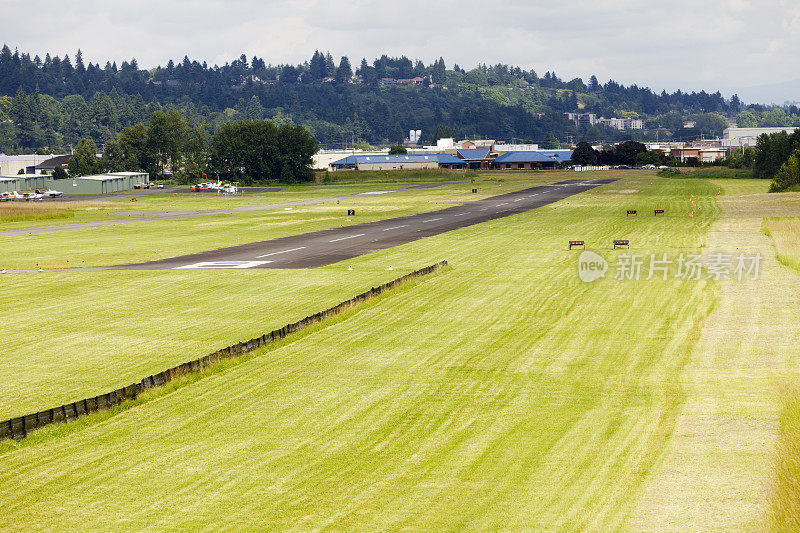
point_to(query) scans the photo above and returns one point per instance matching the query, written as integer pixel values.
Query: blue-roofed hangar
(474, 159)
(395, 162)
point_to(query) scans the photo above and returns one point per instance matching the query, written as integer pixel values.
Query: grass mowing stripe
(507, 394)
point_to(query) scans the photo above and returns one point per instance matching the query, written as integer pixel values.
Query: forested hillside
(55, 101)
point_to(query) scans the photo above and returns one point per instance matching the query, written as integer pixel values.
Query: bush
(671, 172)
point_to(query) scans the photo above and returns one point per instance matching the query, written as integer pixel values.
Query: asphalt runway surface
(311, 250)
(145, 216)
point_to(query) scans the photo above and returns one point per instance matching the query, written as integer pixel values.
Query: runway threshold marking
(223, 264)
(396, 227)
(350, 237)
(282, 252)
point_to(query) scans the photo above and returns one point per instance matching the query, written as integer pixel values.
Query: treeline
(630, 153)
(244, 151)
(54, 101)
(777, 157)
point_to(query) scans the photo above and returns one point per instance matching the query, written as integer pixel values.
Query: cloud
(680, 44)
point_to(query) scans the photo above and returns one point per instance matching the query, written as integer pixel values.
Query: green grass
(503, 393)
(785, 233)
(784, 497)
(742, 187)
(23, 212)
(149, 240)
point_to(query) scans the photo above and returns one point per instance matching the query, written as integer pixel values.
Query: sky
(744, 46)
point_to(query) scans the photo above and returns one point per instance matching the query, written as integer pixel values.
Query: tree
(135, 152)
(113, 159)
(196, 149)
(254, 110)
(550, 141)
(317, 68)
(584, 154)
(345, 72)
(397, 149)
(257, 150)
(165, 137)
(439, 72)
(84, 159)
(789, 174)
(60, 174)
(626, 153)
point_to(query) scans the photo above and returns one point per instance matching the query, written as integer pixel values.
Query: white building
(322, 160)
(741, 137)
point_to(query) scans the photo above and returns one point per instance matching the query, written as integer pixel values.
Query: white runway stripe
(350, 237)
(283, 252)
(396, 227)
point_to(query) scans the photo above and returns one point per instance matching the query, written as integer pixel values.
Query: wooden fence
(18, 427)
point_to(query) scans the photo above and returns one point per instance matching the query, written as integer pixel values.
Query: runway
(311, 250)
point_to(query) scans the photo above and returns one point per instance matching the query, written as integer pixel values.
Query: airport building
(387, 162)
(100, 184)
(475, 158)
(10, 165)
(531, 160)
(742, 137)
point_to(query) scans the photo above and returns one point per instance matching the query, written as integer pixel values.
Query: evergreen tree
(84, 159)
(439, 72)
(344, 72)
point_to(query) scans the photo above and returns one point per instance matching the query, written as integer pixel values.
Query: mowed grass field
(502, 393)
(139, 241)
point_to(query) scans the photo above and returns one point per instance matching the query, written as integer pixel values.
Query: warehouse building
(100, 184)
(387, 162)
(742, 137)
(103, 183)
(531, 160)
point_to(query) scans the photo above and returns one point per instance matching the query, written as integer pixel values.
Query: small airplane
(49, 193)
(35, 196)
(207, 186)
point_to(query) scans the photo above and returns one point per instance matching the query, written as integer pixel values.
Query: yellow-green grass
(784, 497)
(112, 208)
(785, 233)
(739, 187)
(504, 393)
(139, 241)
(19, 211)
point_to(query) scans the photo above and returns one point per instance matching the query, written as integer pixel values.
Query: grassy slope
(504, 393)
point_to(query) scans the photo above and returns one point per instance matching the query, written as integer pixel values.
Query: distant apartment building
(590, 119)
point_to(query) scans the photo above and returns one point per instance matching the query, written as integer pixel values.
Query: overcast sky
(688, 44)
